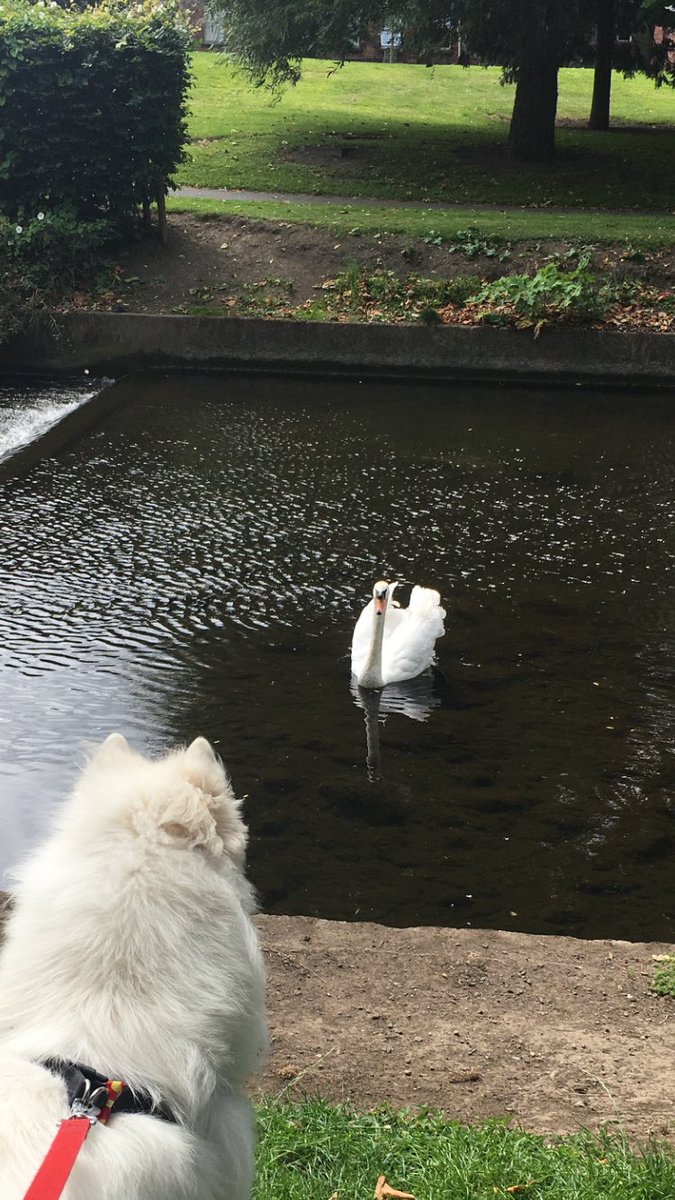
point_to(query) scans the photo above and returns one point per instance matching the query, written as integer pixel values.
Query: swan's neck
(371, 675)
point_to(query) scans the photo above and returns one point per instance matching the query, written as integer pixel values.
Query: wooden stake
(161, 216)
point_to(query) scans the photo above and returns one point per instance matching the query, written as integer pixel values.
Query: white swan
(392, 644)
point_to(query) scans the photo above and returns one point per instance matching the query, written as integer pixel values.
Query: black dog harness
(86, 1087)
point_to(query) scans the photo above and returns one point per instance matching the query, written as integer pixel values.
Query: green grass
(664, 977)
(406, 132)
(641, 231)
(312, 1151)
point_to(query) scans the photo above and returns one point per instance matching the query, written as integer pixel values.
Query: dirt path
(555, 1032)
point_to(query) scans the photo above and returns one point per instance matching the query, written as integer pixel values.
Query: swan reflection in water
(413, 698)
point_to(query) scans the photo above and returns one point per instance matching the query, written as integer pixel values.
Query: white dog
(130, 950)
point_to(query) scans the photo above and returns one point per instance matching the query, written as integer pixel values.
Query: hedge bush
(92, 105)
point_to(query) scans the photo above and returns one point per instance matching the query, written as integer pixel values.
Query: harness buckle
(89, 1103)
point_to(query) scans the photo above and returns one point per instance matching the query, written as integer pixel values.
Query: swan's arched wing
(410, 649)
(426, 602)
(407, 656)
(393, 618)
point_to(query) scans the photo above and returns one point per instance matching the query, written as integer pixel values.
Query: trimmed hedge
(92, 105)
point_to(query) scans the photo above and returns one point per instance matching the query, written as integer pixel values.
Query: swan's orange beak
(380, 605)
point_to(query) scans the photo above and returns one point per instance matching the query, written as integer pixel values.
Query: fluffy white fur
(131, 949)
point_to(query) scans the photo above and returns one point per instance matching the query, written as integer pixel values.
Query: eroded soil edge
(557, 1033)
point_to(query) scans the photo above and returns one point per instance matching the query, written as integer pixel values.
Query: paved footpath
(232, 194)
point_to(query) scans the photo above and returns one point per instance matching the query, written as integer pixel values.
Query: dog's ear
(201, 751)
(201, 811)
(115, 741)
(113, 747)
(204, 769)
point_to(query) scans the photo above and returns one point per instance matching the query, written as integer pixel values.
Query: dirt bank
(555, 1032)
(223, 266)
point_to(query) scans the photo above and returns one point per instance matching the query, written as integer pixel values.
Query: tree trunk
(532, 132)
(604, 50)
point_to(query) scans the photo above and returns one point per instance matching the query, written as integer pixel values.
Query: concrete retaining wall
(116, 343)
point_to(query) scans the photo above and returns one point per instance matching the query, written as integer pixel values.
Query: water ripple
(196, 562)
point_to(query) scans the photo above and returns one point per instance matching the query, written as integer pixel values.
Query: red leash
(55, 1170)
(52, 1176)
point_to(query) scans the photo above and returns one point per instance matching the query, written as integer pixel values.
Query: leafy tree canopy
(271, 37)
(653, 58)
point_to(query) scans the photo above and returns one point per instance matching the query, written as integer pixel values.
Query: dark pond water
(196, 564)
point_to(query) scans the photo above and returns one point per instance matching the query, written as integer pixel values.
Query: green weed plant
(553, 293)
(663, 982)
(42, 258)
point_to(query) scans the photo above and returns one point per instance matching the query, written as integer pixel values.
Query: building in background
(379, 44)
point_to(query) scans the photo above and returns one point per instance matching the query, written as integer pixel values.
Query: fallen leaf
(288, 1071)
(382, 1189)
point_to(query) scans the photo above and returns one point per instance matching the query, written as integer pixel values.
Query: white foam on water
(25, 413)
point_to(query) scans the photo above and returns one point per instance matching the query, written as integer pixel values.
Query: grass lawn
(636, 229)
(312, 1151)
(406, 132)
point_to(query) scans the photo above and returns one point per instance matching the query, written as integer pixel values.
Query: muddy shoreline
(554, 1033)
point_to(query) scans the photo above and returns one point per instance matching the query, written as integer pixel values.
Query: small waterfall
(29, 408)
